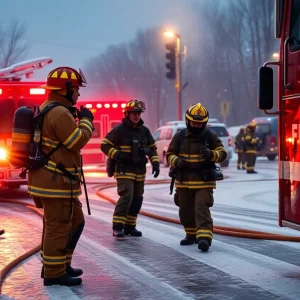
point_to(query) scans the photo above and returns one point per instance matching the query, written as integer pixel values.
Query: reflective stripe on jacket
(59, 126)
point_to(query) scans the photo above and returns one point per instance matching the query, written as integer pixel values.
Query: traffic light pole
(178, 78)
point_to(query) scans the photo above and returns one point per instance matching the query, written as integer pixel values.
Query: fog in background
(121, 48)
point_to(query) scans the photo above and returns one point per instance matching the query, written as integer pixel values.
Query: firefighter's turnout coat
(59, 125)
(239, 141)
(189, 149)
(120, 138)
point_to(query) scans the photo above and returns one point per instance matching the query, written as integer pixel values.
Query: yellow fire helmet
(252, 124)
(196, 113)
(135, 106)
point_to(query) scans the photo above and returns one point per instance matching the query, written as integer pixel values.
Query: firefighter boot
(118, 233)
(238, 167)
(69, 270)
(203, 245)
(65, 279)
(73, 272)
(132, 231)
(188, 240)
(251, 172)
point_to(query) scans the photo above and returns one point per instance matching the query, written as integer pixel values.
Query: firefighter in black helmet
(193, 156)
(130, 143)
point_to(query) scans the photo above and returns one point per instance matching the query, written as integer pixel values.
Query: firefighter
(193, 156)
(239, 148)
(1, 231)
(129, 143)
(250, 147)
(56, 187)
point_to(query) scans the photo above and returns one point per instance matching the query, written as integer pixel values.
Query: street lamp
(171, 34)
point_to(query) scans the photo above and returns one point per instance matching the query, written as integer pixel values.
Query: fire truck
(13, 94)
(287, 30)
(107, 114)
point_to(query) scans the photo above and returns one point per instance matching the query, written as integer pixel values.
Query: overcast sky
(72, 31)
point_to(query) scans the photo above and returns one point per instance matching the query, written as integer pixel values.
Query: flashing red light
(107, 105)
(99, 105)
(114, 105)
(37, 91)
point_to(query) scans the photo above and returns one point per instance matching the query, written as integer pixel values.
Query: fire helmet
(252, 124)
(196, 113)
(64, 77)
(135, 106)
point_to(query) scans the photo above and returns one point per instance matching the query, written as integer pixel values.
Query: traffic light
(171, 57)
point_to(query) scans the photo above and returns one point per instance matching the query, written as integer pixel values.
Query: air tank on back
(21, 137)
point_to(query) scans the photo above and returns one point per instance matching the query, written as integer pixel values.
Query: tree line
(232, 41)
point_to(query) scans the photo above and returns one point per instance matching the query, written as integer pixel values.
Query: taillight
(229, 142)
(273, 140)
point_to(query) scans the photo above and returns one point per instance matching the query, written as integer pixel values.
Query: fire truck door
(289, 91)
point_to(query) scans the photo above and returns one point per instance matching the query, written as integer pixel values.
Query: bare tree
(134, 70)
(12, 47)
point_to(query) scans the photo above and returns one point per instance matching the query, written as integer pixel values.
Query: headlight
(3, 154)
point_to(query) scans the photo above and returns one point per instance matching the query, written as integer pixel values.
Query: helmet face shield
(82, 76)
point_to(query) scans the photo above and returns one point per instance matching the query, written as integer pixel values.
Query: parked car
(267, 131)
(164, 134)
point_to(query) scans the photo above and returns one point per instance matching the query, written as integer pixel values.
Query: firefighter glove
(155, 170)
(182, 164)
(85, 113)
(124, 157)
(206, 153)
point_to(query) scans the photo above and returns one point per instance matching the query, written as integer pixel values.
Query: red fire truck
(107, 114)
(287, 25)
(13, 94)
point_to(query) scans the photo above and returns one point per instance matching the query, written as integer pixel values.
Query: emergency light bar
(37, 91)
(114, 105)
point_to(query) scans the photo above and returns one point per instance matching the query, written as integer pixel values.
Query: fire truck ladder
(25, 68)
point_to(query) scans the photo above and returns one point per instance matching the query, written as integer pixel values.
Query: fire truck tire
(225, 163)
(165, 162)
(271, 157)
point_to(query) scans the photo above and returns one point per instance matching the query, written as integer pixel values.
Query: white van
(164, 134)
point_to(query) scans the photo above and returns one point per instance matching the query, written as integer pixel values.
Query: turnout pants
(194, 212)
(129, 204)
(241, 162)
(63, 223)
(251, 159)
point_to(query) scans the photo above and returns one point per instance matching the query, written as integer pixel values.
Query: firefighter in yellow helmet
(250, 147)
(194, 157)
(239, 142)
(56, 186)
(129, 144)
